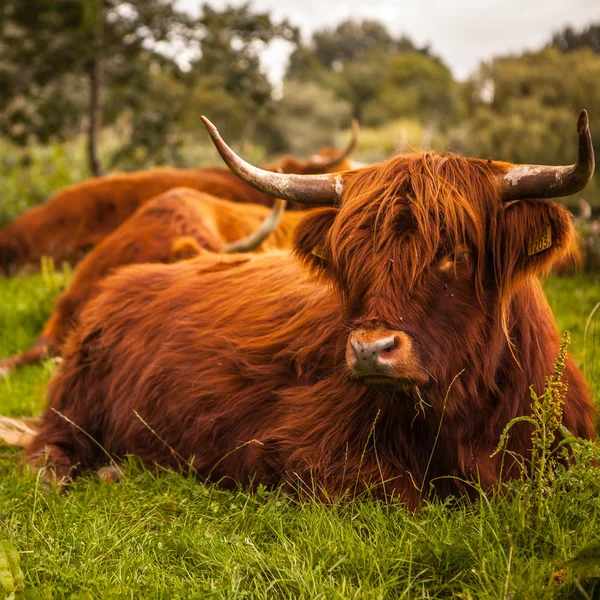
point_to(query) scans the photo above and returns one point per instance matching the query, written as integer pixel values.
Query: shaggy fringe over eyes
(413, 210)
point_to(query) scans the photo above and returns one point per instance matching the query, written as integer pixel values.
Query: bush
(28, 177)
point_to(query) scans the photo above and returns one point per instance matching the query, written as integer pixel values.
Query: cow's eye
(459, 258)
(462, 256)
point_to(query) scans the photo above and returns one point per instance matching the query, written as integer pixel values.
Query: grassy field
(170, 537)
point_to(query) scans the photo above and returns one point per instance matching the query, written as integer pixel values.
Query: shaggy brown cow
(76, 218)
(178, 224)
(391, 364)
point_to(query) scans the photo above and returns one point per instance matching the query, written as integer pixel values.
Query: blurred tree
(525, 133)
(52, 49)
(412, 85)
(309, 117)
(146, 113)
(383, 77)
(351, 40)
(523, 108)
(547, 86)
(68, 62)
(568, 39)
(232, 41)
(227, 80)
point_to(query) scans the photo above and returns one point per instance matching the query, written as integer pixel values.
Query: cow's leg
(48, 343)
(64, 445)
(52, 464)
(42, 349)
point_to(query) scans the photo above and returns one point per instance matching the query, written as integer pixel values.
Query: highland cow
(388, 356)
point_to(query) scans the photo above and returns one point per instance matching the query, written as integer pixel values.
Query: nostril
(390, 345)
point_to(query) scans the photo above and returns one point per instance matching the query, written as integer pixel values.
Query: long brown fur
(239, 369)
(177, 225)
(79, 216)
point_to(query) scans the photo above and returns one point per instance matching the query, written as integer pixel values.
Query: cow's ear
(185, 247)
(533, 236)
(311, 239)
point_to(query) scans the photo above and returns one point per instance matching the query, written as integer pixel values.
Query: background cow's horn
(536, 181)
(311, 189)
(261, 233)
(318, 161)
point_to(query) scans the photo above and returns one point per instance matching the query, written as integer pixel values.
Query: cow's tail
(18, 431)
(261, 233)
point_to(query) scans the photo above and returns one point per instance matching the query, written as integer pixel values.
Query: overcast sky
(462, 32)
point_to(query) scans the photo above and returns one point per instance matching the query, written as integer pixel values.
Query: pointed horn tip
(209, 125)
(355, 126)
(583, 122)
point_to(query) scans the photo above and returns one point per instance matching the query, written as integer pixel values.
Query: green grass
(572, 300)
(25, 304)
(169, 536)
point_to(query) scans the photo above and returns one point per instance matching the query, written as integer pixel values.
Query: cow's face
(424, 258)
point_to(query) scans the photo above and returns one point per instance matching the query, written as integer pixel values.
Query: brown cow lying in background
(176, 225)
(79, 216)
(391, 364)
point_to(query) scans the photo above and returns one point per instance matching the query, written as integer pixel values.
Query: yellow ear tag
(318, 252)
(540, 240)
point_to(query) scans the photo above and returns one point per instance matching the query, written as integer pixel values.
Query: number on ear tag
(541, 240)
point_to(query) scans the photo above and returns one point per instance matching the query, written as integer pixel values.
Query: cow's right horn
(310, 189)
(540, 181)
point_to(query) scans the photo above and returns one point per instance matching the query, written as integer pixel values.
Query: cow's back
(79, 216)
(153, 235)
(178, 353)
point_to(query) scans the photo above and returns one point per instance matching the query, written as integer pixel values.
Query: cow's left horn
(310, 189)
(261, 233)
(537, 181)
(318, 161)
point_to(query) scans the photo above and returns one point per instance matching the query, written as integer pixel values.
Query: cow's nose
(373, 356)
(384, 357)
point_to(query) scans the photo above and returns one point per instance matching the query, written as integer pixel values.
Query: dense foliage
(145, 71)
(140, 65)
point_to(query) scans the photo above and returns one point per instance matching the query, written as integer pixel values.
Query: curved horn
(311, 189)
(261, 233)
(318, 161)
(537, 181)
